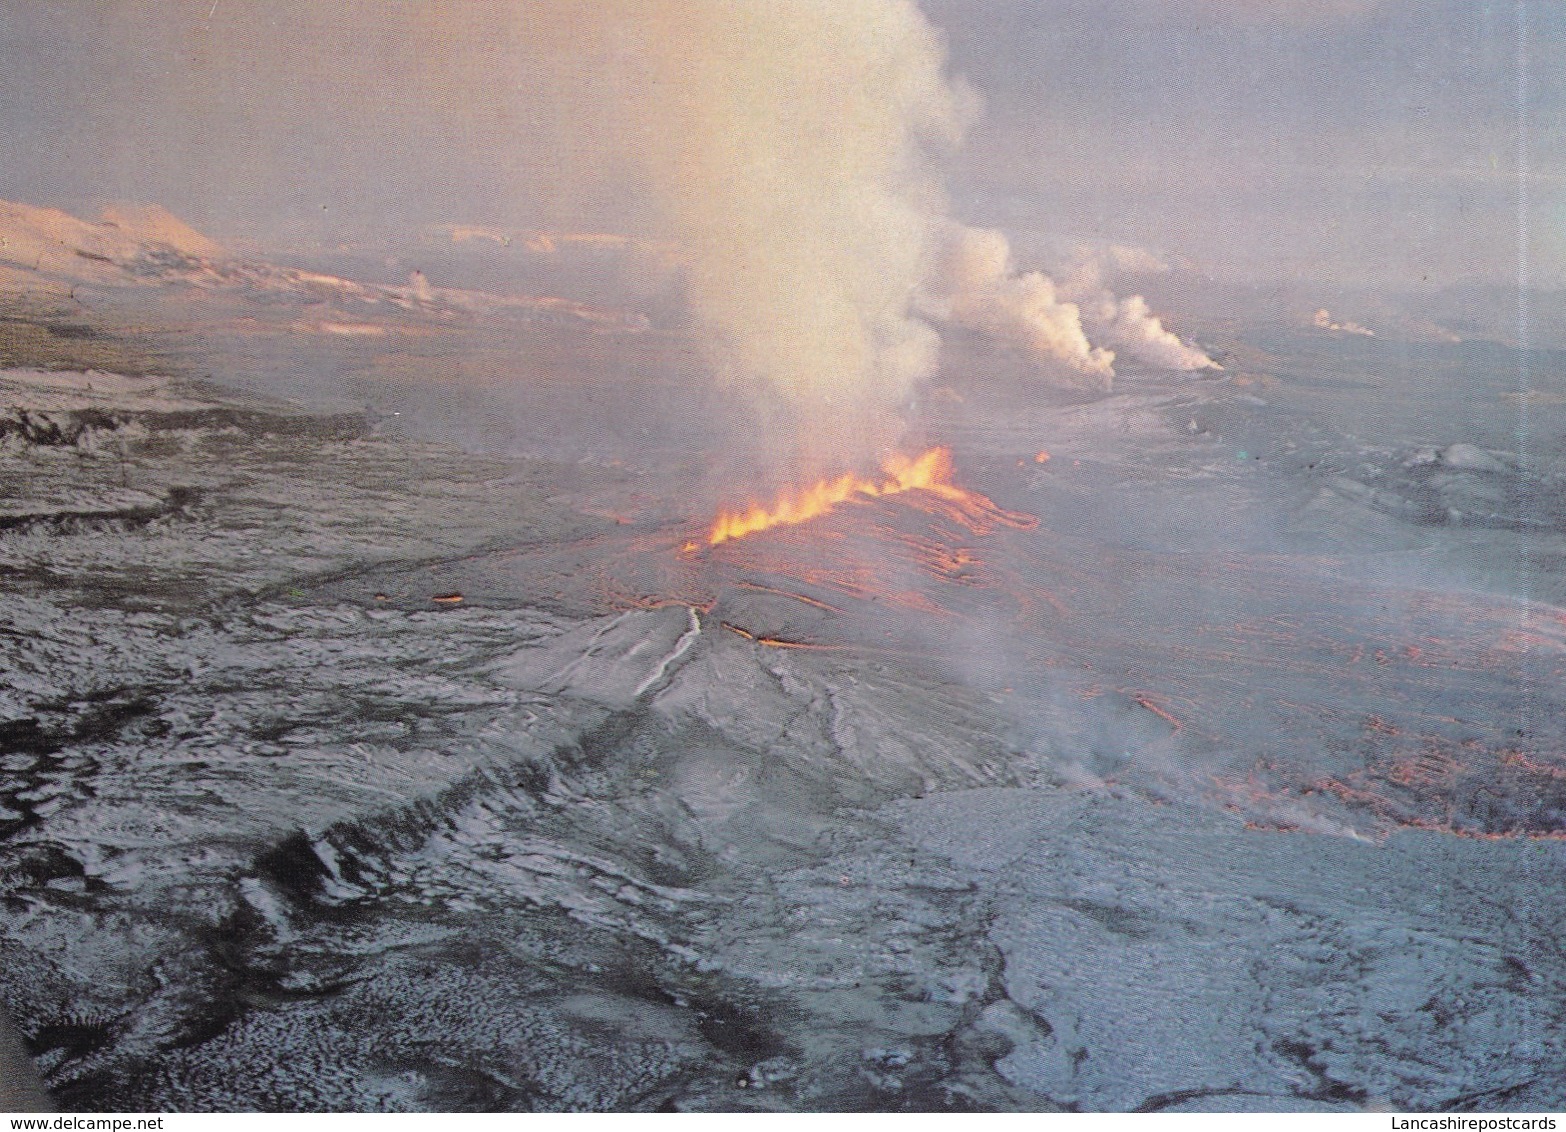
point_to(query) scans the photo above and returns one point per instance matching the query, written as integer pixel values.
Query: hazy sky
(1379, 137)
(1349, 140)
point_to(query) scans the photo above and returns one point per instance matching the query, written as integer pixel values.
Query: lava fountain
(929, 473)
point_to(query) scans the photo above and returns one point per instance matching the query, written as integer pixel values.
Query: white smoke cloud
(1322, 320)
(783, 145)
(1128, 323)
(975, 285)
(1074, 327)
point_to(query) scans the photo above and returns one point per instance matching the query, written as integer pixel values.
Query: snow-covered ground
(345, 770)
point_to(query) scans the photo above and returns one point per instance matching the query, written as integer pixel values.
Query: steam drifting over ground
(978, 287)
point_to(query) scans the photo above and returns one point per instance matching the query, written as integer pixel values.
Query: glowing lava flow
(931, 472)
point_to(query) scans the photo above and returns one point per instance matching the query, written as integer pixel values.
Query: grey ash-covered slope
(891, 815)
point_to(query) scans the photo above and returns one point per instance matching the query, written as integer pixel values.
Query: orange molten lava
(931, 472)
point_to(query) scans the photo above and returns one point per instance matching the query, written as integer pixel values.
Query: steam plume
(1323, 320)
(977, 287)
(1129, 323)
(1073, 329)
(785, 144)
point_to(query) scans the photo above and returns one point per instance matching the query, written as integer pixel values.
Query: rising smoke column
(1128, 323)
(1073, 328)
(784, 145)
(975, 285)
